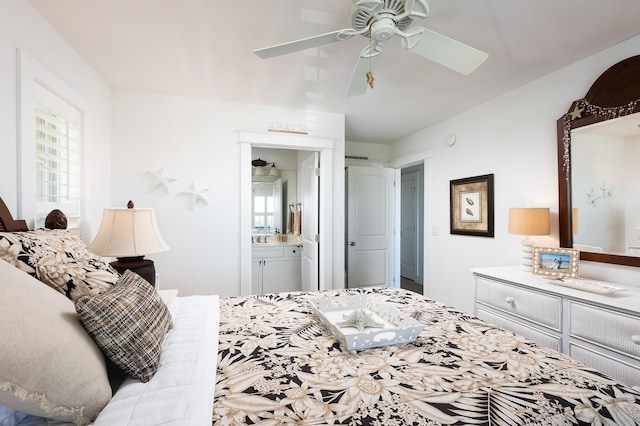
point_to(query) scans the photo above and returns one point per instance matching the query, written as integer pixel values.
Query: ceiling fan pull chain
(370, 72)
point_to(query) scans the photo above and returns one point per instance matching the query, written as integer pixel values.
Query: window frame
(30, 73)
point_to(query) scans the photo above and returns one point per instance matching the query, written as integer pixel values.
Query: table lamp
(528, 221)
(128, 234)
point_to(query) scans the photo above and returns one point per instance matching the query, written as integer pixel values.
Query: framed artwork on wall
(471, 207)
(555, 263)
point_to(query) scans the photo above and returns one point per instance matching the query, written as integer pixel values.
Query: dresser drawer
(624, 372)
(615, 330)
(531, 305)
(545, 339)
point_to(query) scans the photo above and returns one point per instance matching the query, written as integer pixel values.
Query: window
(263, 206)
(58, 157)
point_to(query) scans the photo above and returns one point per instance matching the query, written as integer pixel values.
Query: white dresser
(602, 331)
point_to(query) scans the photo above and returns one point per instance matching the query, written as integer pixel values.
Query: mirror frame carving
(614, 94)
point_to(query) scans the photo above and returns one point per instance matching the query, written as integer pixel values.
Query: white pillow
(49, 365)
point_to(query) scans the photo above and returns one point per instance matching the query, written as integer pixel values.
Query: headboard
(8, 223)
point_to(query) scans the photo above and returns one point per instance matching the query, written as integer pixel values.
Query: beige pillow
(129, 323)
(49, 365)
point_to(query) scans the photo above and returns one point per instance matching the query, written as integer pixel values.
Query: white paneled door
(409, 226)
(309, 181)
(370, 223)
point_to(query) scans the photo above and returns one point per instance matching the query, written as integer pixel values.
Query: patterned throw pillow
(76, 278)
(60, 259)
(129, 323)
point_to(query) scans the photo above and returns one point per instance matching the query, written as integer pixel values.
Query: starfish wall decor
(161, 179)
(196, 193)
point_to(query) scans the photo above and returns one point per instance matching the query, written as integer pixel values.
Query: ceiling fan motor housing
(382, 25)
(383, 29)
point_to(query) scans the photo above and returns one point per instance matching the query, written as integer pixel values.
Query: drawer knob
(510, 300)
(636, 339)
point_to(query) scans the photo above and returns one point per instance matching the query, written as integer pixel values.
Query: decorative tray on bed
(361, 322)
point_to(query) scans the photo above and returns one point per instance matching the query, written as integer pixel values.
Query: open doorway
(285, 213)
(324, 146)
(412, 228)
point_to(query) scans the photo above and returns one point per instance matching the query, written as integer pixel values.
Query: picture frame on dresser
(471, 206)
(556, 263)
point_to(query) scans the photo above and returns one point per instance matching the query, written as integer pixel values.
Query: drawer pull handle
(636, 339)
(510, 300)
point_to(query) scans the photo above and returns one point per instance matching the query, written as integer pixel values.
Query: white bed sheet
(181, 392)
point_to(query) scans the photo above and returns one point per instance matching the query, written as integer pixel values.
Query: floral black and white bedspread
(277, 365)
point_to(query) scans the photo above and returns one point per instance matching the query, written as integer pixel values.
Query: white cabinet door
(256, 276)
(281, 275)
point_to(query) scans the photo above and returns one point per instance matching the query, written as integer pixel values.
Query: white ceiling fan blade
(437, 6)
(369, 5)
(417, 8)
(424, 8)
(305, 43)
(366, 62)
(443, 50)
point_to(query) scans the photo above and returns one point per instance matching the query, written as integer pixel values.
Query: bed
(267, 359)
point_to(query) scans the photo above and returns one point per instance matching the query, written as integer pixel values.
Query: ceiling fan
(380, 20)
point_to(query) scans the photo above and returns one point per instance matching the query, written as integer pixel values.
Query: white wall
(373, 152)
(513, 137)
(196, 140)
(21, 27)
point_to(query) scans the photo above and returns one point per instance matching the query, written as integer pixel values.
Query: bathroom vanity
(275, 267)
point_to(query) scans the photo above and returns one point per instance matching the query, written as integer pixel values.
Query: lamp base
(141, 266)
(526, 258)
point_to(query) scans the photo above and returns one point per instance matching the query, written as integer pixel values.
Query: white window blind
(59, 173)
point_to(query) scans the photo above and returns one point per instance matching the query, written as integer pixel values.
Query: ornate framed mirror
(613, 96)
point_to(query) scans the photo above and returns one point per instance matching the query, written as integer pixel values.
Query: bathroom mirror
(271, 197)
(597, 209)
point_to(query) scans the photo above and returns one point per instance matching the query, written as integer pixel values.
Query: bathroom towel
(297, 221)
(290, 220)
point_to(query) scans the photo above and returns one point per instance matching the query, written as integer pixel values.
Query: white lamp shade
(128, 233)
(529, 221)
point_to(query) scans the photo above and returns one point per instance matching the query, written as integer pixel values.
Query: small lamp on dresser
(528, 221)
(129, 234)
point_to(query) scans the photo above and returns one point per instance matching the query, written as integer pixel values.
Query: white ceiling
(203, 48)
